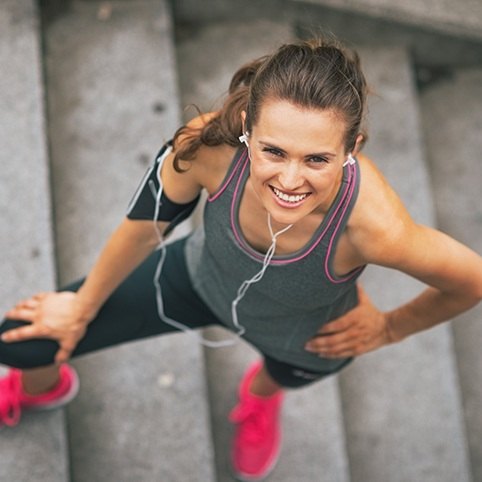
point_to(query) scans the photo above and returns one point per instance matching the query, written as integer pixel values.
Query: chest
(254, 228)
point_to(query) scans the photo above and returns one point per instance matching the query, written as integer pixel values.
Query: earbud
(244, 138)
(349, 160)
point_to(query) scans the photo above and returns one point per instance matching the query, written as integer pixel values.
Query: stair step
(26, 243)
(462, 18)
(452, 115)
(402, 403)
(434, 45)
(142, 412)
(314, 439)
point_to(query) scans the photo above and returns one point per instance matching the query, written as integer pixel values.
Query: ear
(358, 145)
(243, 120)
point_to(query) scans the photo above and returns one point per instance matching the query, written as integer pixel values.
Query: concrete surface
(435, 47)
(402, 403)
(452, 126)
(397, 413)
(142, 411)
(463, 18)
(37, 449)
(314, 439)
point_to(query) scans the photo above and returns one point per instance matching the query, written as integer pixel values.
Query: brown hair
(319, 74)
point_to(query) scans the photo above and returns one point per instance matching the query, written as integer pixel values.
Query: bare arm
(453, 273)
(64, 316)
(384, 234)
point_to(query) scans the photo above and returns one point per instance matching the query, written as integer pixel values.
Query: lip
(287, 204)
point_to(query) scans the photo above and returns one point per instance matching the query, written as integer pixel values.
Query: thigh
(129, 314)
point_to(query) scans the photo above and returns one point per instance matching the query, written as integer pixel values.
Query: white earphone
(349, 160)
(244, 138)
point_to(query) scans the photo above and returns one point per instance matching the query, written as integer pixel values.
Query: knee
(26, 354)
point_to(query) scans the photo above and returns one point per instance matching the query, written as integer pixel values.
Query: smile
(289, 198)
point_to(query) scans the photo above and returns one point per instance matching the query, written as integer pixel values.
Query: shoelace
(10, 400)
(254, 421)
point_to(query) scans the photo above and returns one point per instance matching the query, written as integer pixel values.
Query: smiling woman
(297, 156)
(294, 213)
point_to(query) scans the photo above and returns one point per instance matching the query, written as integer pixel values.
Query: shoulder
(379, 225)
(206, 169)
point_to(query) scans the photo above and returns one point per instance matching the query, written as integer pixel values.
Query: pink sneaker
(13, 399)
(257, 439)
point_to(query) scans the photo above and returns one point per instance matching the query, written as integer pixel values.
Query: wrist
(393, 335)
(87, 308)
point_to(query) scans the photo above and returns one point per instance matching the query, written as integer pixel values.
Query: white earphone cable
(241, 330)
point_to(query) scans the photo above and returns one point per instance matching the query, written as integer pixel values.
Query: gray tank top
(298, 293)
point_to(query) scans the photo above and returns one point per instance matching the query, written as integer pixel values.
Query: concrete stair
(462, 18)
(113, 103)
(452, 118)
(26, 243)
(156, 410)
(402, 403)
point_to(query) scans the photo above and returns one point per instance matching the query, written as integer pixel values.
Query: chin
(281, 217)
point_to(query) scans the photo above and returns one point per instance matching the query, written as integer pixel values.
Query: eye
(272, 151)
(317, 160)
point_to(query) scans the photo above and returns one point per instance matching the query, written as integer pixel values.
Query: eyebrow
(314, 154)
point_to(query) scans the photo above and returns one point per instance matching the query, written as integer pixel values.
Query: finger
(40, 296)
(336, 326)
(362, 294)
(66, 348)
(31, 303)
(21, 312)
(25, 333)
(62, 355)
(330, 343)
(341, 351)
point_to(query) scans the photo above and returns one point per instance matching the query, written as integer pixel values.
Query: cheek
(323, 182)
(261, 173)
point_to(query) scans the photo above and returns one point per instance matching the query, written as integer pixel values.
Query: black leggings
(130, 314)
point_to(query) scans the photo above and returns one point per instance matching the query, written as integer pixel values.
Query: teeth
(287, 198)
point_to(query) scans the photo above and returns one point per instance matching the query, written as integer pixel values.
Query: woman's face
(297, 157)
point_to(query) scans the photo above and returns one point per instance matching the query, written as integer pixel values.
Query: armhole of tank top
(340, 224)
(238, 159)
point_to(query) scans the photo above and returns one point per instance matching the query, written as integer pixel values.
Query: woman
(294, 213)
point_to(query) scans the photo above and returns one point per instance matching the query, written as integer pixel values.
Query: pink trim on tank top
(330, 246)
(315, 243)
(223, 186)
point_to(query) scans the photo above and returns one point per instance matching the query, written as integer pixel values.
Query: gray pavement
(142, 410)
(36, 449)
(452, 124)
(463, 17)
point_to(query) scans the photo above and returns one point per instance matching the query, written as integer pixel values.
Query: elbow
(478, 295)
(475, 294)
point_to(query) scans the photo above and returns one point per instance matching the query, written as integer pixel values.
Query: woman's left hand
(360, 330)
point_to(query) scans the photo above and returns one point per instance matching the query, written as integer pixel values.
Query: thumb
(362, 294)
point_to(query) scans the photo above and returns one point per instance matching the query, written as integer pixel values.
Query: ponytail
(315, 74)
(223, 128)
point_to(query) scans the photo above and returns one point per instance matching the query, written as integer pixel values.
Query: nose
(290, 176)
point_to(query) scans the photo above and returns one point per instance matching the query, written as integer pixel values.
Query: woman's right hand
(56, 315)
